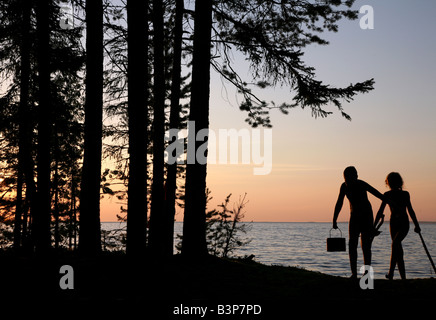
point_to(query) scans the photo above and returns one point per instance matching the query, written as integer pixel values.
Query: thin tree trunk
(137, 74)
(73, 216)
(25, 160)
(25, 163)
(89, 234)
(18, 219)
(56, 202)
(42, 215)
(71, 224)
(171, 184)
(25, 239)
(194, 226)
(157, 214)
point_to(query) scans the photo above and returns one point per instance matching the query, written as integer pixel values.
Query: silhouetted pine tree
(41, 215)
(21, 116)
(175, 121)
(162, 223)
(137, 76)
(194, 223)
(157, 213)
(89, 235)
(25, 160)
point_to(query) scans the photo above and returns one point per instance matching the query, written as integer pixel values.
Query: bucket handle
(333, 229)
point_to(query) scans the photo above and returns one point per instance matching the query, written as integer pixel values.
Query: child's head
(350, 174)
(394, 181)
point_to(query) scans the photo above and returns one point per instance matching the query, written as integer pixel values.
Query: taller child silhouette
(361, 216)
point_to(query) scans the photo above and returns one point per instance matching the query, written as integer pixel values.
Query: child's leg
(399, 251)
(393, 262)
(400, 261)
(352, 247)
(366, 247)
(397, 257)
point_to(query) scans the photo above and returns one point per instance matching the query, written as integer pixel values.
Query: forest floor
(179, 285)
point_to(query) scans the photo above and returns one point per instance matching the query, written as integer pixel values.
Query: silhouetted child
(399, 221)
(361, 216)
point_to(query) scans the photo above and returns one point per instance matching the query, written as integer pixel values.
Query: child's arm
(412, 213)
(338, 205)
(374, 191)
(380, 216)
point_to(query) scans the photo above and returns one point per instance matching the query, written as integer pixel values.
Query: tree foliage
(224, 226)
(272, 36)
(65, 65)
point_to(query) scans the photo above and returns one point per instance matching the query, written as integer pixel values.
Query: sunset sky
(393, 127)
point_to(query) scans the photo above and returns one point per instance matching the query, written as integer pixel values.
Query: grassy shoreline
(116, 277)
(114, 284)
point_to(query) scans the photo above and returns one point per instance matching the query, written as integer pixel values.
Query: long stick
(428, 253)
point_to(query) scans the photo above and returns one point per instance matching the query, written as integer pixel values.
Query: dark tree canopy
(272, 36)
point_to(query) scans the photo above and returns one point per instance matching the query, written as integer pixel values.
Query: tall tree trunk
(157, 214)
(25, 161)
(137, 74)
(42, 215)
(171, 183)
(194, 226)
(18, 218)
(89, 235)
(56, 201)
(73, 221)
(25, 239)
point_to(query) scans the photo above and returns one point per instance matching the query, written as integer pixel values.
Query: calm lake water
(304, 245)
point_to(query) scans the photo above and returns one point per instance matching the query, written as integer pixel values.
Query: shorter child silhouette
(361, 216)
(399, 203)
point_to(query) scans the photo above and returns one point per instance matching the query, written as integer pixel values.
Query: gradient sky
(393, 126)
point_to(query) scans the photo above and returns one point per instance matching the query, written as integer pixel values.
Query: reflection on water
(304, 245)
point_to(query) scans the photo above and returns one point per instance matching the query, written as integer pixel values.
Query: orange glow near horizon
(288, 194)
